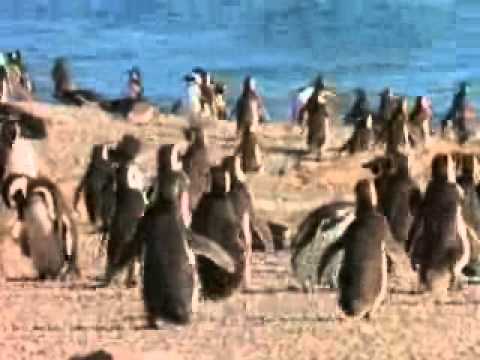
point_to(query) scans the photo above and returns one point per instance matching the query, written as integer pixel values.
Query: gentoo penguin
(421, 121)
(363, 273)
(170, 279)
(468, 180)
(65, 89)
(98, 186)
(255, 231)
(216, 219)
(17, 155)
(129, 202)
(196, 163)
(50, 233)
(250, 151)
(396, 133)
(461, 113)
(400, 200)
(438, 241)
(363, 137)
(318, 121)
(360, 109)
(249, 109)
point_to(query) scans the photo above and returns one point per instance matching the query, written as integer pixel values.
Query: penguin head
(126, 149)
(220, 180)
(380, 166)
(233, 164)
(15, 190)
(361, 94)
(365, 194)
(10, 132)
(319, 83)
(134, 74)
(464, 87)
(169, 158)
(249, 84)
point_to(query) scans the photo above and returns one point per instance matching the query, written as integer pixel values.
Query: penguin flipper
(330, 251)
(204, 246)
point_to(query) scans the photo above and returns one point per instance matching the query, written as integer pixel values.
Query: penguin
(255, 230)
(216, 219)
(51, 234)
(387, 106)
(363, 273)
(220, 91)
(363, 137)
(196, 163)
(134, 107)
(4, 91)
(320, 228)
(400, 200)
(129, 202)
(360, 109)
(396, 132)
(460, 113)
(207, 91)
(468, 179)
(438, 240)
(98, 187)
(170, 278)
(420, 121)
(250, 151)
(31, 126)
(20, 83)
(318, 121)
(17, 155)
(250, 109)
(65, 89)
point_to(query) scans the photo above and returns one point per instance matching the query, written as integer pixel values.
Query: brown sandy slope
(58, 320)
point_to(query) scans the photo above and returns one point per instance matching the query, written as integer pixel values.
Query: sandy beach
(275, 320)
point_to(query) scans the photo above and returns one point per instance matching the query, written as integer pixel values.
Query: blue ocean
(414, 46)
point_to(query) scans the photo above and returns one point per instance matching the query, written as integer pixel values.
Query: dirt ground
(275, 320)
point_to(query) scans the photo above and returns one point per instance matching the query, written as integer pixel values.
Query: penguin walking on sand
(196, 163)
(250, 151)
(129, 202)
(216, 219)
(360, 109)
(363, 273)
(49, 235)
(170, 279)
(438, 241)
(468, 180)
(255, 230)
(250, 109)
(98, 187)
(317, 120)
(401, 199)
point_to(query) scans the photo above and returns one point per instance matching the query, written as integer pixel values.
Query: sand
(274, 320)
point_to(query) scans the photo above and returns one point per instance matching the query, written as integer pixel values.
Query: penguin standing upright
(396, 132)
(461, 114)
(129, 202)
(360, 109)
(400, 200)
(387, 106)
(318, 121)
(250, 109)
(363, 273)
(250, 151)
(468, 180)
(98, 187)
(421, 121)
(438, 241)
(196, 163)
(242, 200)
(215, 218)
(170, 281)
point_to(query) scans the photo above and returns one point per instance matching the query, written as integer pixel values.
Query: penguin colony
(193, 227)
